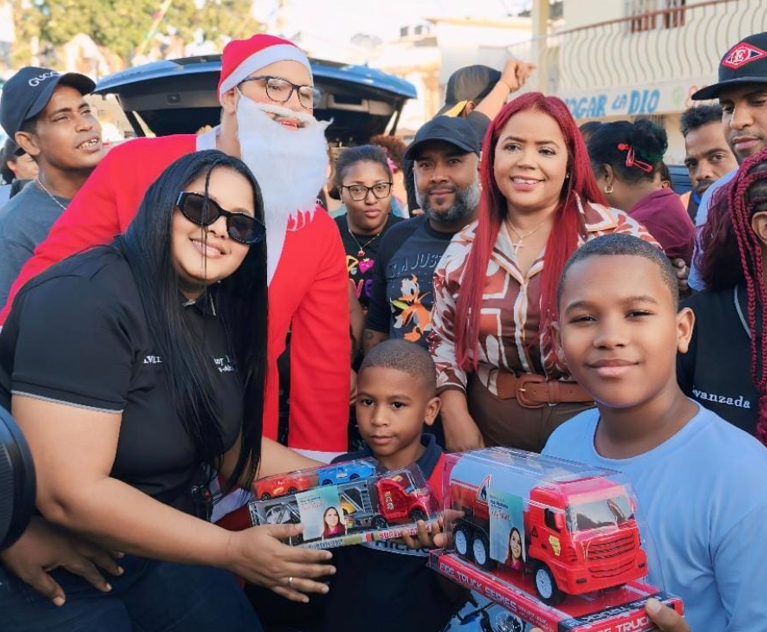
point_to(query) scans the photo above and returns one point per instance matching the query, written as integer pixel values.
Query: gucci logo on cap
(36, 81)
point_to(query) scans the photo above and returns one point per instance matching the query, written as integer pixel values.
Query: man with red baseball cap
(266, 94)
(742, 93)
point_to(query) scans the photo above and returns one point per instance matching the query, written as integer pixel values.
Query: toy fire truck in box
(345, 503)
(555, 542)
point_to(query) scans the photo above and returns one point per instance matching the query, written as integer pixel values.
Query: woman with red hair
(495, 289)
(724, 367)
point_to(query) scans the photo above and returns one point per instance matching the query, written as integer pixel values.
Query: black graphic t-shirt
(402, 294)
(716, 371)
(361, 268)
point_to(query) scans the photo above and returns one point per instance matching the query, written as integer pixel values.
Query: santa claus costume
(307, 273)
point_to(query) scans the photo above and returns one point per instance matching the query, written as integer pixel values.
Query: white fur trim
(208, 139)
(270, 55)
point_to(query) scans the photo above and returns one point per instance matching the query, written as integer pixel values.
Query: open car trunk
(180, 96)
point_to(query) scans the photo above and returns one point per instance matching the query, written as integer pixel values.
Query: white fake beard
(290, 166)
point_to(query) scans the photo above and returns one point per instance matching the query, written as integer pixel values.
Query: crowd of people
(506, 279)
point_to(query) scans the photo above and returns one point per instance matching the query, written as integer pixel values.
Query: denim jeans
(150, 596)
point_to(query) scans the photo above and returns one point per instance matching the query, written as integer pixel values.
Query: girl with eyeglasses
(136, 371)
(364, 181)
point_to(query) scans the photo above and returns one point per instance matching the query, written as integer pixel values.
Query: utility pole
(540, 42)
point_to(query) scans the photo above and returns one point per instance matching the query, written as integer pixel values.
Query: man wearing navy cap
(46, 114)
(446, 156)
(742, 93)
(476, 93)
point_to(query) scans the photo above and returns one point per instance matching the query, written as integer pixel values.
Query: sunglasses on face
(203, 211)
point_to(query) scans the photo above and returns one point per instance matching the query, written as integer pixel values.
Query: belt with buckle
(535, 391)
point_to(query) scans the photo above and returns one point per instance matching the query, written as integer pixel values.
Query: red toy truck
(554, 542)
(580, 532)
(400, 501)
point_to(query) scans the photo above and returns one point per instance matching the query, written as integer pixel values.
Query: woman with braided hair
(724, 369)
(627, 158)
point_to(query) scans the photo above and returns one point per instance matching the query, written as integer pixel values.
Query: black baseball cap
(744, 63)
(470, 83)
(456, 131)
(27, 93)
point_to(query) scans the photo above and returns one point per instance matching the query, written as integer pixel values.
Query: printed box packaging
(554, 542)
(345, 503)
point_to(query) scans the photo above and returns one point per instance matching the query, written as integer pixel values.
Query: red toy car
(276, 486)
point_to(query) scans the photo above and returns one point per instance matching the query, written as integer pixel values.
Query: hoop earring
(609, 189)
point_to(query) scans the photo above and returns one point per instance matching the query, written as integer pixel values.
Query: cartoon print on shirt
(356, 266)
(411, 310)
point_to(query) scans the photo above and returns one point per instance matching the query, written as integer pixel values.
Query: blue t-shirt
(703, 497)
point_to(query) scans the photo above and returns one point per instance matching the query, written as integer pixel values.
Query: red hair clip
(631, 160)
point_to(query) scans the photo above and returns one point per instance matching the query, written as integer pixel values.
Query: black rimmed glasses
(359, 192)
(280, 90)
(203, 211)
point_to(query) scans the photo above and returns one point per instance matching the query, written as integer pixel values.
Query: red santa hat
(242, 58)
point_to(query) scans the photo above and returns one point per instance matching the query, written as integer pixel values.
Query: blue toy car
(345, 472)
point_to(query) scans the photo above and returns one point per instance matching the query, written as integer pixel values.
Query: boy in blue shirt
(698, 479)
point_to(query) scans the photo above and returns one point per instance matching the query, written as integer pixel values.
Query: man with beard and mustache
(266, 94)
(446, 156)
(742, 93)
(708, 157)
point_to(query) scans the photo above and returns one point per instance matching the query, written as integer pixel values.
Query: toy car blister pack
(345, 503)
(556, 543)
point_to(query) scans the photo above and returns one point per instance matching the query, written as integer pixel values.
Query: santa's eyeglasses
(280, 90)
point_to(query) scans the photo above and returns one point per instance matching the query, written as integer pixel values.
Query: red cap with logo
(241, 58)
(744, 63)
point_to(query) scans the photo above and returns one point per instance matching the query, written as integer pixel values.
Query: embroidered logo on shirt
(741, 55)
(153, 359)
(224, 365)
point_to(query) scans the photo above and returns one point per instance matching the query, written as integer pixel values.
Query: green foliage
(122, 25)
(218, 20)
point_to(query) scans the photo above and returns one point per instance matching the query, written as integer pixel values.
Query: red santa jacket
(308, 294)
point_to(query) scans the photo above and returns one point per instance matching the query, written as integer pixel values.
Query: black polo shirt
(716, 370)
(78, 335)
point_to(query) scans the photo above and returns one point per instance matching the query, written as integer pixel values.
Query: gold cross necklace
(522, 236)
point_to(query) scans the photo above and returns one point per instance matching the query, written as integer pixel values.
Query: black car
(179, 96)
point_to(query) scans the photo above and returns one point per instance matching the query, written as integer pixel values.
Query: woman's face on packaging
(331, 517)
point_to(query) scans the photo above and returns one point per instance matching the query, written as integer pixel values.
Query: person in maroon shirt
(626, 158)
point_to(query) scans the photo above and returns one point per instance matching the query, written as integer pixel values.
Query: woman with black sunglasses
(136, 371)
